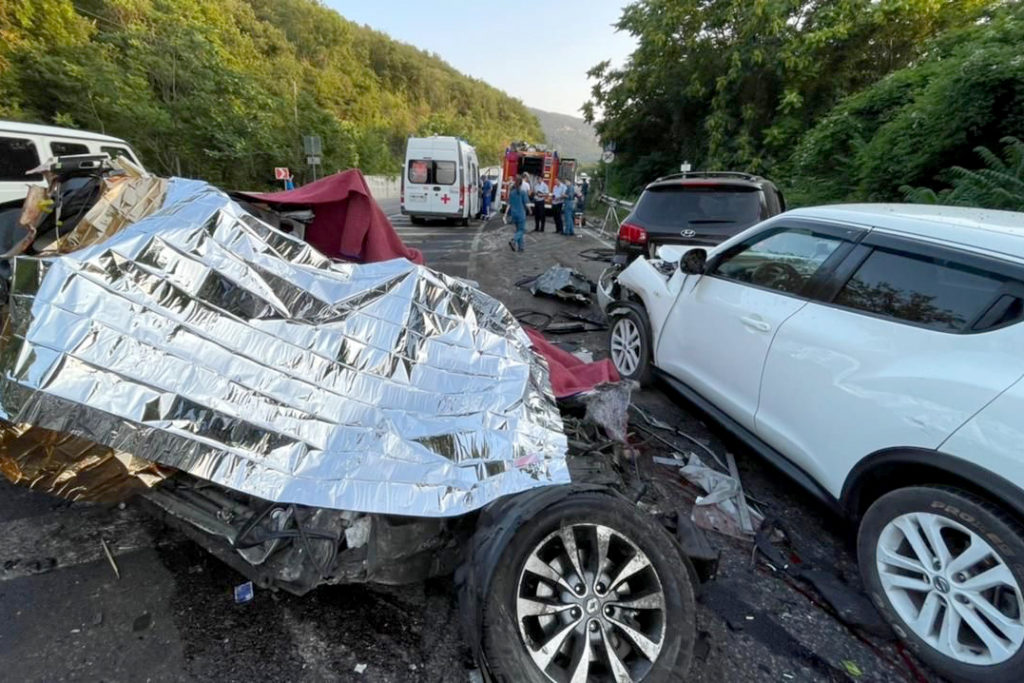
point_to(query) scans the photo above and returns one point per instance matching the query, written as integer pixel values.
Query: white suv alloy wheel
(952, 588)
(625, 346)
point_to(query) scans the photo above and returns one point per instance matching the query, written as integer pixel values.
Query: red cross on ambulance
(445, 199)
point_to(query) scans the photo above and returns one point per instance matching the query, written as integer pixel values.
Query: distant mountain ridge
(570, 135)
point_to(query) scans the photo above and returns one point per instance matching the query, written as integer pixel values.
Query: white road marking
(591, 233)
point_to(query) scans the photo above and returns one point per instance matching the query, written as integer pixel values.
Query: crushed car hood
(199, 338)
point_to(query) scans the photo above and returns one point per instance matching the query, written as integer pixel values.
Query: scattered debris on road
(723, 507)
(110, 559)
(244, 593)
(565, 284)
(312, 422)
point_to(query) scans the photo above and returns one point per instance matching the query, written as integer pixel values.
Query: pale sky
(537, 52)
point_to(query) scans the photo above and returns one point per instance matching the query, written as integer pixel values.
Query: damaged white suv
(875, 354)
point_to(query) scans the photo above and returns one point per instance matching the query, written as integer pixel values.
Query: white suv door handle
(756, 323)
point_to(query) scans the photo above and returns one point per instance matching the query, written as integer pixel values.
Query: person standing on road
(557, 197)
(540, 196)
(517, 200)
(485, 199)
(525, 185)
(569, 205)
(586, 189)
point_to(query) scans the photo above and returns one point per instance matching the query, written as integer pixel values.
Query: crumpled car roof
(199, 338)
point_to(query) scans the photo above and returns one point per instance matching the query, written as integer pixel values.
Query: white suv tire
(629, 343)
(946, 569)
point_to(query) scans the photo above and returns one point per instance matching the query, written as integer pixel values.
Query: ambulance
(441, 180)
(522, 157)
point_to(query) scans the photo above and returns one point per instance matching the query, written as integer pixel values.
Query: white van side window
(116, 152)
(18, 155)
(63, 149)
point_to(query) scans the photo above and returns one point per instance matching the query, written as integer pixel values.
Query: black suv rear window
(694, 205)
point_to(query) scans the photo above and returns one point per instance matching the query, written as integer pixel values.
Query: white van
(24, 146)
(441, 179)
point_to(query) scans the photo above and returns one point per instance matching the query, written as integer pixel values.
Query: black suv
(699, 208)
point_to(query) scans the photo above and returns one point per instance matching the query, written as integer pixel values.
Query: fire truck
(522, 157)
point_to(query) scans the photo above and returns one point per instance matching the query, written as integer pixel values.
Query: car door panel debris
(719, 509)
(563, 283)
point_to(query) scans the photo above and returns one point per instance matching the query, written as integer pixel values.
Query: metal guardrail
(618, 203)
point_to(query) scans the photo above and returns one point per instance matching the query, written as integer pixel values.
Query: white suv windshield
(783, 261)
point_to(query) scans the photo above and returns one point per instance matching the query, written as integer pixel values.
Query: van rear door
(431, 187)
(418, 174)
(444, 192)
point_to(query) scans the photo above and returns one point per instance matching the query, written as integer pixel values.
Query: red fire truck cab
(522, 157)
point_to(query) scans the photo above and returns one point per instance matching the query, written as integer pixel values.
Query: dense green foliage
(999, 185)
(909, 127)
(834, 99)
(224, 90)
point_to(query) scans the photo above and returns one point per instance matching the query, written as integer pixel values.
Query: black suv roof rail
(709, 174)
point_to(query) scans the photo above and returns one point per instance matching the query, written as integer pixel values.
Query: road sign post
(313, 146)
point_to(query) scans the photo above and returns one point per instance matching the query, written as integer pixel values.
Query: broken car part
(220, 347)
(851, 606)
(310, 422)
(563, 283)
(720, 508)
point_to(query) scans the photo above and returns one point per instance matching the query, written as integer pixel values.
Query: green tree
(225, 90)
(735, 83)
(906, 129)
(999, 185)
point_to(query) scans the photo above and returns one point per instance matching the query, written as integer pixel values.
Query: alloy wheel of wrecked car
(946, 583)
(581, 587)
(590, 600)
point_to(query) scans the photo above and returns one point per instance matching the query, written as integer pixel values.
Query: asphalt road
(168, 614)
(445, 246)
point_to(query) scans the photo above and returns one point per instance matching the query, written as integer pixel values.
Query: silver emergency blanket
(203, 339)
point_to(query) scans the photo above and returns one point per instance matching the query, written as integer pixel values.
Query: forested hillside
(836, 100)
(224, 90)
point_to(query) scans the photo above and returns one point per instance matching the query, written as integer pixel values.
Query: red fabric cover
(348, 223)
(570, 375)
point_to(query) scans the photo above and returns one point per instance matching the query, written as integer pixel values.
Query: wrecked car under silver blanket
(201, 339)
